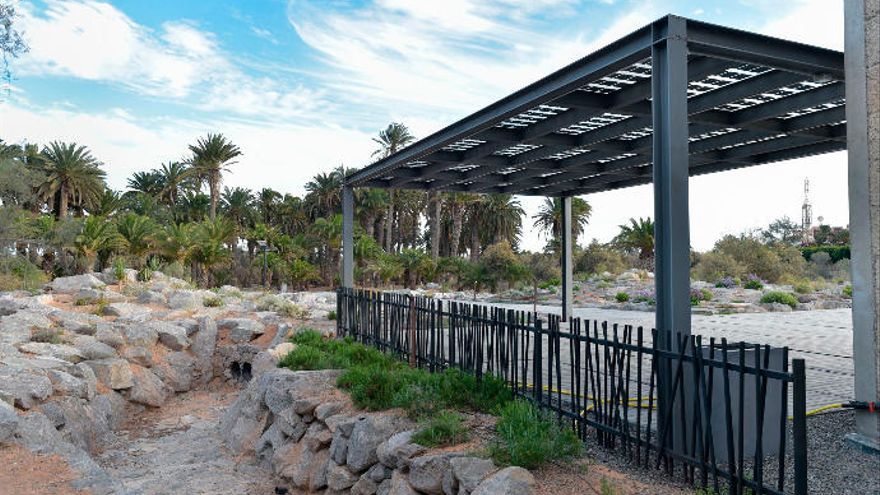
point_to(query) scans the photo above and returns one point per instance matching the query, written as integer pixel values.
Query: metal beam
(347, 237)
(566, 243)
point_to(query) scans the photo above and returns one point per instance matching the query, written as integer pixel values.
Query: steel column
(671, 226)
(863, 142)
(347, 237)
(566, 251)
(670, 157)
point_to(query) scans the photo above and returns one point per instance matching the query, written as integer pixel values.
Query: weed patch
(444, 429)
(529, 437)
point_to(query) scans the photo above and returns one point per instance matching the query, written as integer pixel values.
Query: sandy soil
(34, 474)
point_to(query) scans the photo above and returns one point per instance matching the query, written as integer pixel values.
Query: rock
(83, 324)
(364, 486)
(398, 485)
(109, 334)
(304, 406)
(509, 480)
(141, 335)
(191, 325)
(279, 351)
(25, 387)
(339, 447)
(369, 432)
(777, 307)
(70, 285)
(203, 349)
(184, 299)
(67, 384)
(242, 330)
(173, 337)
(84, 372)
(59, 351)
(176, 370)
(378, 473)
(8, 422)
(340, 478)
(152, 297)
(138, 355)
(88, 296)
(90, 348)
(114, 373)
(395, 451)
(9, 306)
(327, 409)
(317, 437)
(128, 311)
(147, 388)
(470, 471)
(426, 473)
(79, 422)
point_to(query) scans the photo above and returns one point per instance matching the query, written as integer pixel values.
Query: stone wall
(307, 431)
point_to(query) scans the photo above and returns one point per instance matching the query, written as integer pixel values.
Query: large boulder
(64, 383)
(79, 422)
(426, 473)
(25, 388)
(242, 330)
(172, 336)
(512, 479)
(147, 388)
(144, 335)
(176, 370)
(468, 472)
(369, 432)
(8, 422)
(114, 373)
(184, 299)
(203, 345)
(128, 311)
(110, 334)
(92, 348)
(398, 449)
(59, 351)
(152, 297)
(70, 285)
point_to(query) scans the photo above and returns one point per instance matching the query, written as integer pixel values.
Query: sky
(303, 85)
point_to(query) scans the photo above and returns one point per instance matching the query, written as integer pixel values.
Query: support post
(862, 65)
(566, 250)
(347, 237)
(671, 223)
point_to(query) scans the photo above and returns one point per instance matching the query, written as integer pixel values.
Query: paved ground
(822, 338)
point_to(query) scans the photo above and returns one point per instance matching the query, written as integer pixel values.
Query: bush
(715, 266)
(753, 282)
(645, 296)
(119, 270)
(768, 262)
(622, 297)
(803, 288)
(699, 295)
(599, 258)
(835, 253)
(529, 437)
(779, 297)
(282, 306)
(444, 429)
(847, 291)
(212, 302)
(331, 315)
(17, 273)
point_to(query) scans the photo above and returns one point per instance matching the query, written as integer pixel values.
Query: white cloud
(816, 22)
(92, 40)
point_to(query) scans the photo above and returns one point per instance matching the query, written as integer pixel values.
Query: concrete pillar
(347, 237)
(566, 244)
(863, 144)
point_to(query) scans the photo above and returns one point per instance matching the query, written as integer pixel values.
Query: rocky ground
(638, 285)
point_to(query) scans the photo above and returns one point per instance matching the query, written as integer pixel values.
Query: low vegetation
(376, 381)
(778, 297)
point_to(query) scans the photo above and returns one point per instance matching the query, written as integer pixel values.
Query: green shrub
(119, 269)
(779, 297)
(847, 291)
(331, 315)
(803, 288)
(607, 488)
(444, 429)
(622, 297)
(836, 253)
(706, 294)
(212, 302)
(753, 282)
(529, 437)
(282, 306)
(17, 273)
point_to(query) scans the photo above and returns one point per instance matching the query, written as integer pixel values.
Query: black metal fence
(721, 422)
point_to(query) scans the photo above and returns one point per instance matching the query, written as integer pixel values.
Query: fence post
(412, 331)
(799, 426)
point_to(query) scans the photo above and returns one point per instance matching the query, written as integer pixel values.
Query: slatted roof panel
(752, 100)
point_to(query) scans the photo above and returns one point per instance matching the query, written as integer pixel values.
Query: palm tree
(175, 241)
(457, 203)
(72, 174)
(238, 206)
(370, 204)
(174, 177)
(136, 236)
(637, 236)
(391, 140)
(209, 246)
(502, 218)
(293, 216)
(211, 156)
(549, 218)
(97, 236)
(109, 203)
(146, 182)
(267, 203)
(324, 194)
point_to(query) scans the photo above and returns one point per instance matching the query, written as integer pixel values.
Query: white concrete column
(566, 244)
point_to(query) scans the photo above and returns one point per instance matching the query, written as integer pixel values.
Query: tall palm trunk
(370, 225)
(475, 245)
(435, 226)
(214, 184)
(389, 223)
(457, 225)
(62, 201)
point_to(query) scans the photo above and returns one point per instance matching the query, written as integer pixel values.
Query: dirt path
(177, 449)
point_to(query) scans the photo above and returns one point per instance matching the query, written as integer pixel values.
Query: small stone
(152, 297)
(369, 432)
(398, 449)
(509, 480)
(113, 372)
(340, 478)
(470, 471)
(139, 355)
(147, 388)
(327, 409)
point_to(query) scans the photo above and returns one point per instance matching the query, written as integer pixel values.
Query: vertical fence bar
(799, 426)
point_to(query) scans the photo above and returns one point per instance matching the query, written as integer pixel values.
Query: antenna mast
(806, 212)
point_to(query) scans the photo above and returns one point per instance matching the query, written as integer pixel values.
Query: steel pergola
(718, 98)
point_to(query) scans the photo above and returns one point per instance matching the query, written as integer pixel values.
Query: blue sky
(302, 85)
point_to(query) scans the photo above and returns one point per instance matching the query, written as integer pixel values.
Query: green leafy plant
(212, 302)
(780, 298)
(753, 282)
(119, 270)
(530, 437)
(331, 315)
(444, 429)
(848, 291)
(622, 297)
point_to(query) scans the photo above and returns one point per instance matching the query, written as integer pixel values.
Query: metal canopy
(751, 100)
